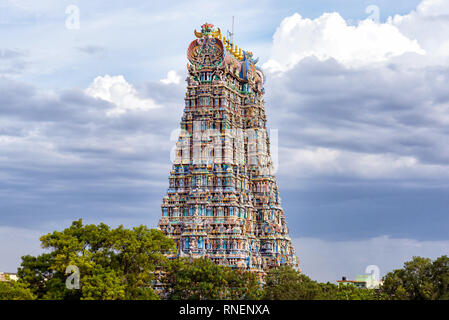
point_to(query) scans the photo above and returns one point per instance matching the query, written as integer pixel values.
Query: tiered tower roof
(223, 201)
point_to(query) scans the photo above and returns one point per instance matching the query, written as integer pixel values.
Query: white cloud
(361, 101)
(433, 8)
(172, 78)
(117, 90)
(428, 24)
(329, 36)
(327, 260)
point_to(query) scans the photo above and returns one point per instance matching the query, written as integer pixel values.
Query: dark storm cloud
(356, 211)
(163, 93)
(62, 158)
(384, 130)
(378, 109)
(24, 103)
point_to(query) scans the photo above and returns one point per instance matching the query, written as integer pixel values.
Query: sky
(91, 95)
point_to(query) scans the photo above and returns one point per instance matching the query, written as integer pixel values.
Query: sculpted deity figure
(193, 243)
(219, 74)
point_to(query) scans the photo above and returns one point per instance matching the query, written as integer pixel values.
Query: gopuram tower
(223, 201)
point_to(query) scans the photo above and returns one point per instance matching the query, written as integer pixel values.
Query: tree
(15, 290)
(201, 279)
(440, 277)
(243, 285)
(285, 283)
(113, 263)
(35, 272)
(350, 292)
(419, 279)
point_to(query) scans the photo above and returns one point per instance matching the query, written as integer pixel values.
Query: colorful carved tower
(223, 201)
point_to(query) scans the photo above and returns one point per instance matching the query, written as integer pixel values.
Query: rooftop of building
(5, 276)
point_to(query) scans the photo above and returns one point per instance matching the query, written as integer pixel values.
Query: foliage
(285, 283)
(419, 279)
(440, 277)
(123, 263)
(349, 292)
(15, 290)
(201, 279)
(113, 263)
(243, 285)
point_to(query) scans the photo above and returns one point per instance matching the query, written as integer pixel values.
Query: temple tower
(223, 201)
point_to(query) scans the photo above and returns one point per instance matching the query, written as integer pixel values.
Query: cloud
(429, 25)
(11, 54)
(318, 161)
(330, 260)
(62, 157)
(362, 122)
(172, 78)
(117, 90)
(361, 142)
(144, 52)
(93, 50)
(12, 62)
(329, 36)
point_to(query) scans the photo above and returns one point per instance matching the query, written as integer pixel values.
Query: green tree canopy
(15, 290)
(125, 263)
(201, 279)
(286, 283)
(419, 279)
(113, 263)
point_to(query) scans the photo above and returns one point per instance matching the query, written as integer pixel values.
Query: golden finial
(217, 33)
